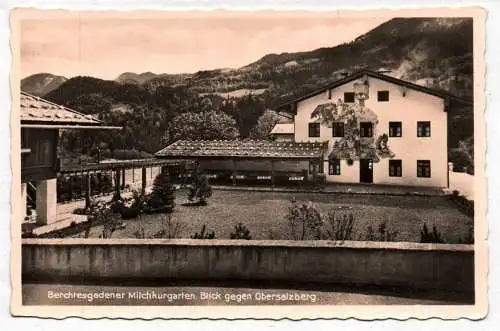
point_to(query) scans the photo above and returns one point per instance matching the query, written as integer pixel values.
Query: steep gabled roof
(374, 74)
(34, 109)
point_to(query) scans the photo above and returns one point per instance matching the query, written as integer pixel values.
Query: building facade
(412, 119)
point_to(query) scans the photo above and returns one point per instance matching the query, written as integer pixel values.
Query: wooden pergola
(118, 168)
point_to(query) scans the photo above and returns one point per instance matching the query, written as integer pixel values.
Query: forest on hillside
(150, 119)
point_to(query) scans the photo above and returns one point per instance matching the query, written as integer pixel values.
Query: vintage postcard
(249, 164)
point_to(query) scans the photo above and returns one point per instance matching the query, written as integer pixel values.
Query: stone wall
(407, 265)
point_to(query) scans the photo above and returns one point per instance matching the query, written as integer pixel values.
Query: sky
(105, 48)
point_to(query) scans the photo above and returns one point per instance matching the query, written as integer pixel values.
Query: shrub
(171, 229)
(139, 234)
(382, 233)
(469, 238)
(430, 237)
(132, 207)
(200, 189)
(304, 220)
(462, 203)
(203, 234)
(241, 232)
(102, 213)
(339, 227)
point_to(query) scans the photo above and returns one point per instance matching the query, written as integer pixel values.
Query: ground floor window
(334, 167)
(318, 165)
(423, 168)
(395, 168)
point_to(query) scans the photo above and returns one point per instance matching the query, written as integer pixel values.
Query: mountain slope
(41, 84)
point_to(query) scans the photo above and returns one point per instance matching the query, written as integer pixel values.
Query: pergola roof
(114, 165)
(242, 149)
(34, 109)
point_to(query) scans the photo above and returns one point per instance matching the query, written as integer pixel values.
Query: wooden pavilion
(40, 122)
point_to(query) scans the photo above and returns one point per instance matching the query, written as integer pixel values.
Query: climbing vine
(352, 146)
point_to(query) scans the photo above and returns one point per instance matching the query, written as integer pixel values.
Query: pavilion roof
(34, 109)
(242, 149)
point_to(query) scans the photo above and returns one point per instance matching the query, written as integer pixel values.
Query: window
(317, 165)
(337, 129)
(423, 129)
(383, 96)
(334, 167)
(423, 168)
(313, 129)
(395, 168)
(395, 129)
(349, 97)
(366, 129)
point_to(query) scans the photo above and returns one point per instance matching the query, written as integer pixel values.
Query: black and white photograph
(190, 163)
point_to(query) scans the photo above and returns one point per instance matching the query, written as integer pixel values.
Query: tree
(209, 125)
(162, 196)
(265, 124)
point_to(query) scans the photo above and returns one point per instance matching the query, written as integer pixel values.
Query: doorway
(366, 171)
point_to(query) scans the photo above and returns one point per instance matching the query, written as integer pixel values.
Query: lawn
(263, 213)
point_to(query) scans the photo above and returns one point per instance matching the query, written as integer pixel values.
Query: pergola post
(123, 179)
(233, 171)
(117, 185)
(70, 188)
(273, 173)
(87, 190)
(144, 179)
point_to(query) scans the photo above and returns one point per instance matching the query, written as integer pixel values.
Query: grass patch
(264, 214)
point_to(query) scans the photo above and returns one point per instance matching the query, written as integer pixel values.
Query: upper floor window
(337, 129)
(334, 167)
(423, 168)
(395, 168)
(395, 129)
(424, 129)
(314, 129)
(349, 97)
(383, 96)
(366, 129)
